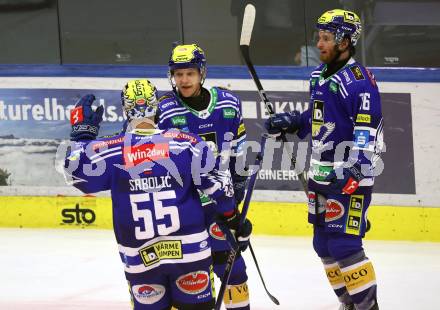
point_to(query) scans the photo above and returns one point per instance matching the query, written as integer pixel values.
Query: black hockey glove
(242, 234)
(283, 122)
(349, 181)
(85, 122)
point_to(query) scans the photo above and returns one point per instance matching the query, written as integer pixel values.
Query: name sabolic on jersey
(154, 177)
(220, 124)
(345, 121)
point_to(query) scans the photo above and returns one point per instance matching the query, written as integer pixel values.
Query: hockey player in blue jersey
(345, 122)
(154, 177)
(215, 115)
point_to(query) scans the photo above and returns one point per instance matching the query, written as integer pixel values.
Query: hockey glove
(283, 122)
(349, 182)
(85, 121)
(242, 234)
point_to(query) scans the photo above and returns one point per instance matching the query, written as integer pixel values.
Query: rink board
(34, 101)
(269, 218)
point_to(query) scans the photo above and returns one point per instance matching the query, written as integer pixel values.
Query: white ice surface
(81, 269)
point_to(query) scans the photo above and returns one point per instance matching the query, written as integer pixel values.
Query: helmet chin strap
(338, 55)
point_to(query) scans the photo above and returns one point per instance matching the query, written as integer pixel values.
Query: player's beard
(332, 56)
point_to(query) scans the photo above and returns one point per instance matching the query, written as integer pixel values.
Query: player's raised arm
(88, 161)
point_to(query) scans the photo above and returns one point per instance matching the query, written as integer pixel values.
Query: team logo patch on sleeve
(193, 283)
(333, 87)
(358, 75)
(148, 294)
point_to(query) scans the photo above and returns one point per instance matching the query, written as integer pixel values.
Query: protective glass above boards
(395, 33)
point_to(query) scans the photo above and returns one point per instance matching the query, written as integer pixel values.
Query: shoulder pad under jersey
(167, 101)
(183, 136)
(355, 77)
(222, 87)
(315, 74)
(110, 135)
(226, 94)
(108, 141)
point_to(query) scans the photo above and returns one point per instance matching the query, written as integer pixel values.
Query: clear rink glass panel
(118, 32)
(278, 31)
(396, 33)
(29, 32)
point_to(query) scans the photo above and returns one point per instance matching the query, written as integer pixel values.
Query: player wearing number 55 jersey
(154, 177)
(345, 123)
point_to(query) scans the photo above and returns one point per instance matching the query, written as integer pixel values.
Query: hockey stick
(245, 39)
(231, 239)
(274, 300)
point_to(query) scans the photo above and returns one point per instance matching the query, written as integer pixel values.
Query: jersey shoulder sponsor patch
(357, 73)
(179, 120)
(181, 135)
(107, 142)
(228, 113)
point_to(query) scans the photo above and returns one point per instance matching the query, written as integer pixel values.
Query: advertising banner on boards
(33, 122)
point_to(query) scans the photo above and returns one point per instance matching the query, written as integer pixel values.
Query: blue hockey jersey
(220, 124)
(154, 177)
(345, 121)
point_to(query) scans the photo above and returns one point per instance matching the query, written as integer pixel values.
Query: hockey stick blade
(273, 298)
(245, 41)
(248, 24)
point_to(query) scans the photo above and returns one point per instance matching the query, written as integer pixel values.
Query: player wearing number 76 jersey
(154, 177)
(346, 127)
